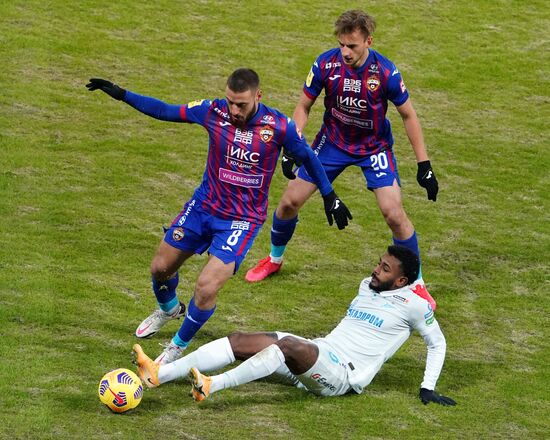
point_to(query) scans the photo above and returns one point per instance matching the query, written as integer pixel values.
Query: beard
(238, 122)
(381, 286)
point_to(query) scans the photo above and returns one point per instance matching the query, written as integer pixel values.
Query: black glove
(428, 396)
(288, 162)
(334, 207)
(426, 179)
(108, 87)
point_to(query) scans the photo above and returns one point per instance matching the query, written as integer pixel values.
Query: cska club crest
(266, 133)
(373, 83)
(177, 234)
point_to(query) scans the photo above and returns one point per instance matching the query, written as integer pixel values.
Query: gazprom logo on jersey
(240, 179)
(365, 316)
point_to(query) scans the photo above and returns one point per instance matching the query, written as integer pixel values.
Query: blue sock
(412, 244)
(165, 291)
(281, 233)
(277, 251)
(178, 341)
(195, 318)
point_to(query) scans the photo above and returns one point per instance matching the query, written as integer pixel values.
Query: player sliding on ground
(378, 321)
(228, 209)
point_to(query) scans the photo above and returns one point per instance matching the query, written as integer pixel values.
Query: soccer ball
(120, 390)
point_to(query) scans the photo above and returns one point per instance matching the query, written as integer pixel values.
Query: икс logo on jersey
(351, 104)
(240, 156)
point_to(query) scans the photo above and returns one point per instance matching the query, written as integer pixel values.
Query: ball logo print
(120, 390)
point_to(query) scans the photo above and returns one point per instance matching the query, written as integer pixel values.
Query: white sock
(209, 357)
(260, 365)
(285, 376)
(276, 260)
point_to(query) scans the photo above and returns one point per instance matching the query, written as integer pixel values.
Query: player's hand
(108, 87)
(288, 162)
(336, 210)
(426, 179)
(427, 396)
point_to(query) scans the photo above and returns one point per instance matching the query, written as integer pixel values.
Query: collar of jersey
(367, 62)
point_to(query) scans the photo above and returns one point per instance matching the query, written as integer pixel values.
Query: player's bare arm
(425, 174)
(300, 116)
(413, 130)
(301, 112)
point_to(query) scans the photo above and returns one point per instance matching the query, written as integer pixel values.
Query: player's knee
(159, 269)
(395, 217)
(237, 340)
(288, 208)
(290, 346)
(205, 294)
(205, 286)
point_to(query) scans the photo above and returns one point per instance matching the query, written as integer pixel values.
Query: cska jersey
(356, 101)
(241, 162)
(377, 324)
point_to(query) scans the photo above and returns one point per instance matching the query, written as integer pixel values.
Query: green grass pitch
(86, 184)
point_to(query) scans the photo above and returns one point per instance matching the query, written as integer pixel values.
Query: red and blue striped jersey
(356, 101)
(241, 161)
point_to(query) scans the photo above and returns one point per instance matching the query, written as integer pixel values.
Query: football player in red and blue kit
(358, 83)
(227, 210)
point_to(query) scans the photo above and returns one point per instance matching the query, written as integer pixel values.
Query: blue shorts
(379, 169)
(194, 230)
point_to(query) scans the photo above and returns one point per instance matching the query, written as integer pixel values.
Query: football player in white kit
(377, 323)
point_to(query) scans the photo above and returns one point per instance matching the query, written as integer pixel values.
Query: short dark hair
(410, 263)
(243, 79)
(354, 19)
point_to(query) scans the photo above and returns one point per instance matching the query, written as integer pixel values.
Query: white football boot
(170, 354)
(154, 322)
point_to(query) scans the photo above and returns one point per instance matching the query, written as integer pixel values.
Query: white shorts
(327, 377)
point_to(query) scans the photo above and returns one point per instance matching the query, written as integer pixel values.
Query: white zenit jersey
(377, 324)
